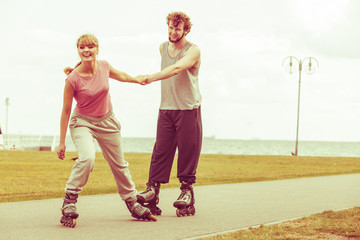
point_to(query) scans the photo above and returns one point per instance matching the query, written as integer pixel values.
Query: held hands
(143, 79)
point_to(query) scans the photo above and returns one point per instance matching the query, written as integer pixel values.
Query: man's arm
(191, 58)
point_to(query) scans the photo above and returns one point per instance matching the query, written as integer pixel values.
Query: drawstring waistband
(93, 119)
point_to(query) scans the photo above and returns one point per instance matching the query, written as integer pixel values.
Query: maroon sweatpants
(181, 129)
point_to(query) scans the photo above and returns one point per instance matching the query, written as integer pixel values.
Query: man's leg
(164, 149)
(189, 139)
(161, 162)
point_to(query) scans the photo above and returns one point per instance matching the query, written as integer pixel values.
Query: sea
(210, 146)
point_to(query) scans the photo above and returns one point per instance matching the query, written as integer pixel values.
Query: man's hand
(143, 79)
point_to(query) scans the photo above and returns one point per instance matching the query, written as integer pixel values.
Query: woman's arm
(65, 116)
(122, 77)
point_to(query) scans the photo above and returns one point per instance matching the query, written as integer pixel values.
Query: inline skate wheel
(192, 210)
(181, 212)
(152, 218)
(68, 222)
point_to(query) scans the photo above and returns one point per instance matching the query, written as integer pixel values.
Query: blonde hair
(85, 39)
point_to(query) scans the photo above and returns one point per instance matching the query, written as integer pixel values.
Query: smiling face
(88, 47)
(176, 31)
(179, 26)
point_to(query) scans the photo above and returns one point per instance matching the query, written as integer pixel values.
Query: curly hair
(177, 17)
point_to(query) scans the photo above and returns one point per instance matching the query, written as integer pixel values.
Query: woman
(93, 118)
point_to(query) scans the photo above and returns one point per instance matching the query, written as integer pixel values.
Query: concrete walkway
(219, 208)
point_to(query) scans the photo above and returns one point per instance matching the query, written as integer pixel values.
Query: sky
(247, 94)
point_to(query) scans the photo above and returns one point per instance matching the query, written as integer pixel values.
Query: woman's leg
(85, 145)
(109, 139)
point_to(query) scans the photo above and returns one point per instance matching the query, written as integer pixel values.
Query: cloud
(327, 28)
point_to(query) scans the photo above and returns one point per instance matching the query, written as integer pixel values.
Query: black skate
(139, 212)
(69, 210)
(185, 202)
(150, 197)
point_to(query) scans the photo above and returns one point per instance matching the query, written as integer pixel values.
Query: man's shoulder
(192, 48)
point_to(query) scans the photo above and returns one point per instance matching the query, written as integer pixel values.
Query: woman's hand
(143, 79)
(61, 151)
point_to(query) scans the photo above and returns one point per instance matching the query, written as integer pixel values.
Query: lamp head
(310, 65)
(291, 64)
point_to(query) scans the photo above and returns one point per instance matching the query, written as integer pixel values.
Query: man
(179, 122)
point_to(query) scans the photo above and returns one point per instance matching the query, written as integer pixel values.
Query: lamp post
(7, 102)
(291, 64)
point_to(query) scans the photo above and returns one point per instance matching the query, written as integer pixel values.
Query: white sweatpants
(106, 130)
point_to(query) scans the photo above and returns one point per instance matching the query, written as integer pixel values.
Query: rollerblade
(69, 210)
(150, 197)
(139, 212)
(185, 202)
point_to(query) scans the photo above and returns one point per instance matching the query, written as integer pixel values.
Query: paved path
(219, 208)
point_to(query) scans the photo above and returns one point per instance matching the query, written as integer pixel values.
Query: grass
(343, 224)
(28, 175)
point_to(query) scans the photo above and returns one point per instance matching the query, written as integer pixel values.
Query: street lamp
(7, 103)
(310, 66)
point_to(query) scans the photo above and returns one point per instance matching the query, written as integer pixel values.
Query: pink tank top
(92, 93)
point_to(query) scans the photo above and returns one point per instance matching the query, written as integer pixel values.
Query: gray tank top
(181, 91)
